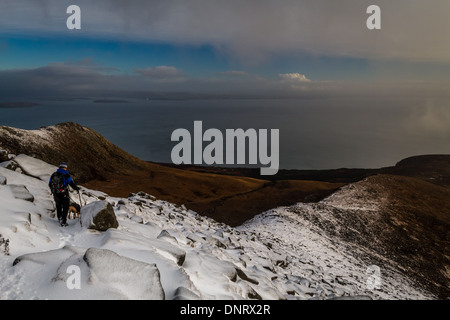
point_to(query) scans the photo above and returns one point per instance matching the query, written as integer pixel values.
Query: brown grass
(227, 199)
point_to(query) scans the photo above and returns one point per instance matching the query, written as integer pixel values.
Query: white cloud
(293, 77)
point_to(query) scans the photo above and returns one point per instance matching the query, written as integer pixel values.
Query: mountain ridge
(410, 199)
(164, 251)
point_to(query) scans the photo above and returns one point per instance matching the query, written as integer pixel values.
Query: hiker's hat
(63, 165)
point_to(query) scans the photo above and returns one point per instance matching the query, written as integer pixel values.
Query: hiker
(59, 185)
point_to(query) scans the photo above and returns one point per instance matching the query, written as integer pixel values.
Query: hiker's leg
(59, 209)
(65, 203)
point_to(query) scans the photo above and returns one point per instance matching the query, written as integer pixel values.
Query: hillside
(431, 168)
(100, 165)
(391, 221)
(396, 218)
(164, 251)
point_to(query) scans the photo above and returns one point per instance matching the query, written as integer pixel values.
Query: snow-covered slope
(164, 251)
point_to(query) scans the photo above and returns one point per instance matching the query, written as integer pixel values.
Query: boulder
(35, 167)
(3, 180)
(99, 215)
(136, 279)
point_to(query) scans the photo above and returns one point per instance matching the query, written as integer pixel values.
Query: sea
(314, 133)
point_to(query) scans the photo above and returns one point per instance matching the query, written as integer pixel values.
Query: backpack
(59, 184)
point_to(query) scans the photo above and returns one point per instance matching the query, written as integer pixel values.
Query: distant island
(110, 101)
(10, 105)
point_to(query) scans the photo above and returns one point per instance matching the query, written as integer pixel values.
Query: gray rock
(3, 180)
(252, 294)
(243, 276)
(99, 215)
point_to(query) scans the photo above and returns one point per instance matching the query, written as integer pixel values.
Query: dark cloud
(253, 30)
(55, 79)
(85, 78)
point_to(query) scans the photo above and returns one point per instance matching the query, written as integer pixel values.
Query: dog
(74, 211)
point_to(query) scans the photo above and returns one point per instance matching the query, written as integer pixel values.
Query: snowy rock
(352, 298)
(212, 265)
(3, 180)
(165, 235)
(47, 257)
(12, 165)
(162, 248)
(98, 215)
(48, 206)
(35, 167)
(243, 276)
(182, 293)
(139, 280)
(137, 219)
(21, 192)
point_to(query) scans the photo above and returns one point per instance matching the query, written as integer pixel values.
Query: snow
(164, 251)
(21, 192)
(35, 167)
(131, 278)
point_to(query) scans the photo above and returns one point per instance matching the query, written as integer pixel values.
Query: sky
(255, 48)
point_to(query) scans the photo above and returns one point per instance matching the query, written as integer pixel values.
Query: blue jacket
(68, 181)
